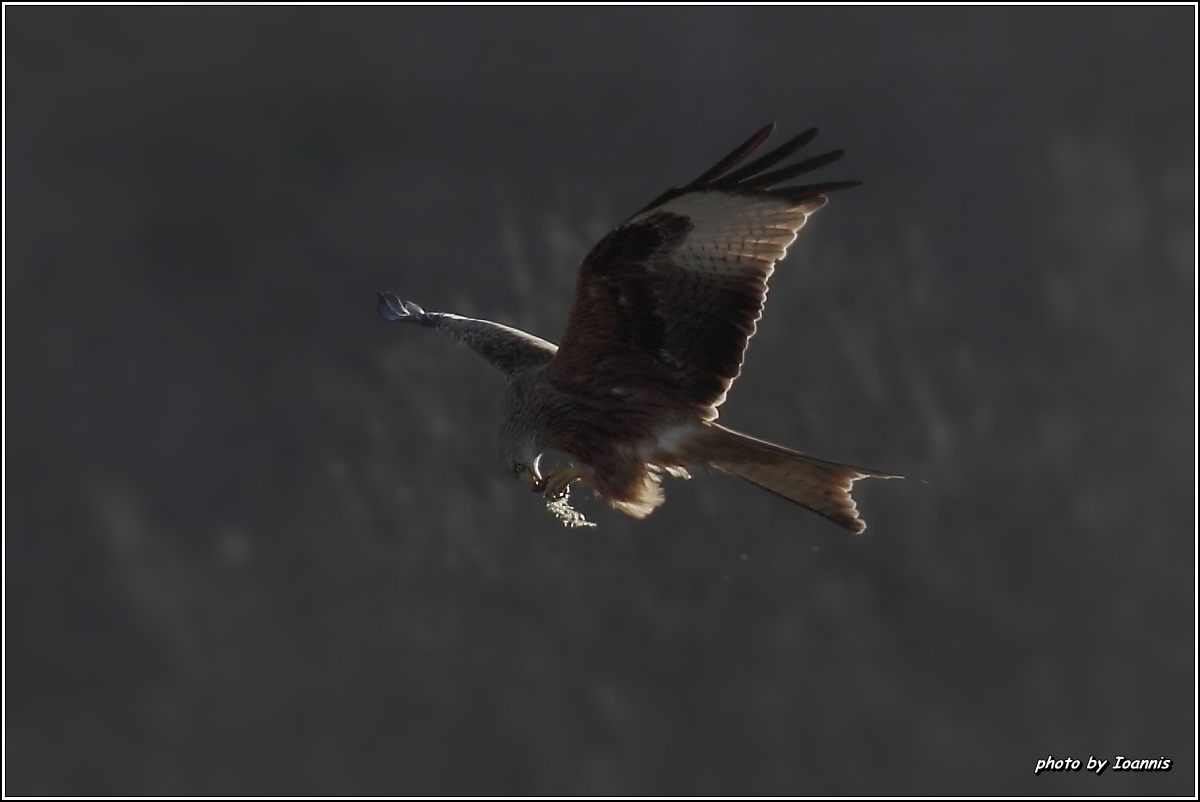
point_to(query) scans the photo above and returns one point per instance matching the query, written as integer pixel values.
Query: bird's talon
(557, 482)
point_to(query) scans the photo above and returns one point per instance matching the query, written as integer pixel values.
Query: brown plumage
(664, 308)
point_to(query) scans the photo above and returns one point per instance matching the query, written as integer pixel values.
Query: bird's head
(519, 437)
(527, 473)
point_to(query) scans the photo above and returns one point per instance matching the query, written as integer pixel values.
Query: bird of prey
(664, 307)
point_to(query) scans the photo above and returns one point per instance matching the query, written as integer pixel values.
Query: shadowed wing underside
(510, 350)
(667, 302)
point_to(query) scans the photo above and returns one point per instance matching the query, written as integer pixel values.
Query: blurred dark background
(258, 540)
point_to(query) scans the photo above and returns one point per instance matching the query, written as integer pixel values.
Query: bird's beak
(534, 482)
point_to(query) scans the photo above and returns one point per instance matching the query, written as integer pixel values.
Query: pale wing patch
(736, 234)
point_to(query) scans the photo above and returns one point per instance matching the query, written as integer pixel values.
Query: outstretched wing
(510, 350)
(667, 302)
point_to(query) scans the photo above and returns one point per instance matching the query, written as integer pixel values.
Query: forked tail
(821, 486)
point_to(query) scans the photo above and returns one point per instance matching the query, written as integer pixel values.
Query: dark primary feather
(751, 178)
(509, 349)
(771, 159)
(811, 191)
(667, 302)
(729, 162)
(768, 180)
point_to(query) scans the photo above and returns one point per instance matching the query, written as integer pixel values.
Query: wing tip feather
(391, 308)
(758, 179)
(753, 179)
(738, 155)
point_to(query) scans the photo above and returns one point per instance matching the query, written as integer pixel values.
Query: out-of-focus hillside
(258, 542)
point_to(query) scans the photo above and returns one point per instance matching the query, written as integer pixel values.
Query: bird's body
(664, 307)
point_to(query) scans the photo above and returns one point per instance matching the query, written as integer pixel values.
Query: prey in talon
(665, 306)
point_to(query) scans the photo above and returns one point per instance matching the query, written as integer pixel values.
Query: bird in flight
(664, 307)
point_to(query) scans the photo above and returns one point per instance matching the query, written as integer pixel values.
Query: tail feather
(821, 486)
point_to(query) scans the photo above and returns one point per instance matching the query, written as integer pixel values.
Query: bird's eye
(519, 469)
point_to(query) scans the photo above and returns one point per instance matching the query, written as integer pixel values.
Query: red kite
(664, 307)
